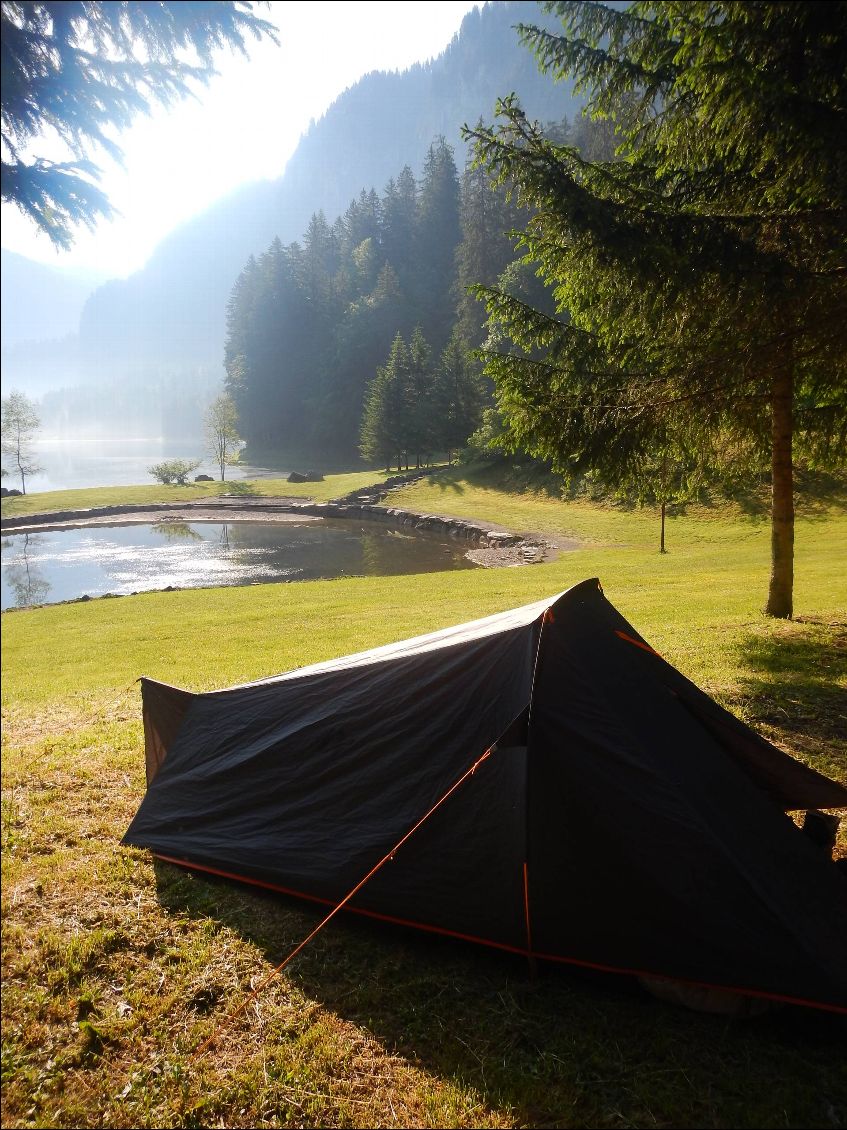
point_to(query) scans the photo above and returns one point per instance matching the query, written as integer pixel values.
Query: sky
(242, 127)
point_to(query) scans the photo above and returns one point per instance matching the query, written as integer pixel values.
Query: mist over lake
(70, 464)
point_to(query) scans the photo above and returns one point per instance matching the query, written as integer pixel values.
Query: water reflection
(138, 558)
(174, 531)
(21, 574)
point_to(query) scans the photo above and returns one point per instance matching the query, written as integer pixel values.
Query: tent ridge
(630, 819)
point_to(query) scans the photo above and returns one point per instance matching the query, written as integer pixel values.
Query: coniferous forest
(358, 339)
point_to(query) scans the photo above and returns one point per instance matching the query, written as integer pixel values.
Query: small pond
(55, 565)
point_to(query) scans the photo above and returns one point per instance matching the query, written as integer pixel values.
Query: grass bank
(116, 968)
(47, 501)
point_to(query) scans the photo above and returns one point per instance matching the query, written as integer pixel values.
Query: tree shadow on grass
(449, 480)
(499, 474)
(816, 496)
(571, 1048)
(792, 689)
(241, 487)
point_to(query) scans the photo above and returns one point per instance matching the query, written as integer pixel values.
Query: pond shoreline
(488, 545)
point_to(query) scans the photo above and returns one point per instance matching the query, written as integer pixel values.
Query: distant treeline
(315, 329)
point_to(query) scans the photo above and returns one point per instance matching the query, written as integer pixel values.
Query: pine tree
(438, 233)
(399, 224)
(488, 214)
(85, 69)
(385, 422)
(703, 275)
(241, 328)
(457, 399)
(419, 426)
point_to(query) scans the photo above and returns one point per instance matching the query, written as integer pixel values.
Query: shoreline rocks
(506, 548)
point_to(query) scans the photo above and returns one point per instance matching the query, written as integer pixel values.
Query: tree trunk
(781, 588)
(664, 498)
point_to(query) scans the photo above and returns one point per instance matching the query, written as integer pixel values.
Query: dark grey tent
(622, 821)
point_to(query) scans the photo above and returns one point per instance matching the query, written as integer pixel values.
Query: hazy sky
(244, 126)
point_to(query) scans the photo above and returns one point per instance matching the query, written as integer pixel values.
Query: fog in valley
(121, 370)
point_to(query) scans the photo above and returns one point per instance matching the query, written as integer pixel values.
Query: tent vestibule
(623, 820)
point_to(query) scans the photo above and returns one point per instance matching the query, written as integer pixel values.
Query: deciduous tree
(20, 423)
(223, 442)
(173, 470)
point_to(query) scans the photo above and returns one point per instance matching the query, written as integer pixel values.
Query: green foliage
(221, 426)
(173, 471)
(489, 213)
(457, 398)
(415, 407)
(438, 232)
(85, 69)
(309, 324)
(700, 281)
(19, 423)
(387, 408)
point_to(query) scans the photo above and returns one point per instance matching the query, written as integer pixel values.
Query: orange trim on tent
(519, 950)
(638, 643)
(526, 910)
(697, 984)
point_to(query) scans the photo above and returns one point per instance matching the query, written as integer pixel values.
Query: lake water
(70, 464)
(43, 568)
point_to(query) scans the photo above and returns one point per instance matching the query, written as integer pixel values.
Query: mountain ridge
(171, 310)
(168, 318)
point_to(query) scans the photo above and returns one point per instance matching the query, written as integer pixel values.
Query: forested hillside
(150, 348)
(173, 311)
(359, 337)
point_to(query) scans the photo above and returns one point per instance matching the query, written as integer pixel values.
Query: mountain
(172, 312)
(39, 302)
(41, 309)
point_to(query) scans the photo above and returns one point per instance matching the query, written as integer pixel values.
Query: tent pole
(389, 855)
(546, 618)
(530, 956)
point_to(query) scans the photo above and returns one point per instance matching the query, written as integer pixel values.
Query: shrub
(173, 470)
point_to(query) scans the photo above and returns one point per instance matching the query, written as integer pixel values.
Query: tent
(618, 818)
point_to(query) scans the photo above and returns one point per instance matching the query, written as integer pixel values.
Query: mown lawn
(332, 487)
(116, 968)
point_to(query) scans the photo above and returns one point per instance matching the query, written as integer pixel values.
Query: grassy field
(115, 968)
(332, 487)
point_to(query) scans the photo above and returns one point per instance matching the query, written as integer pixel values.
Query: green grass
(333, 486)
(116, 968)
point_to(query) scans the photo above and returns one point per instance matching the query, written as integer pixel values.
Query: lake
(70, 464)
(56, 565)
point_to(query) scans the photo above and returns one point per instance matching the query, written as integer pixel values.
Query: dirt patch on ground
(533, 550)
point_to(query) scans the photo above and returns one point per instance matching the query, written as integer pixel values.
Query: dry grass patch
(110, 986)
(116, 967)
